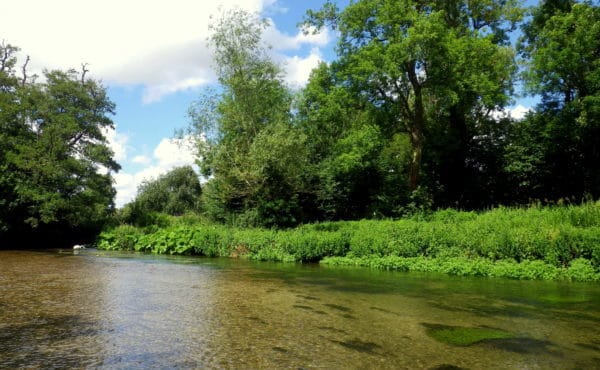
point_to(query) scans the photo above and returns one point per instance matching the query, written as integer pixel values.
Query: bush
(535, 243)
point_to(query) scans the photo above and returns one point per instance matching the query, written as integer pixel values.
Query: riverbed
(97, 309)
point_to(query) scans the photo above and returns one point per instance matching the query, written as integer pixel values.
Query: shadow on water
(360, 346)
(48, 342)
(280, 349)
(446, 367)
(594, 346)
(527, 346)
(379, 309)
(332, 329)
(517, 310)
(338, 307)
(489, 337)
(308, 298)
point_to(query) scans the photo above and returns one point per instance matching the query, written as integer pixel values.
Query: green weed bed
(551, 243)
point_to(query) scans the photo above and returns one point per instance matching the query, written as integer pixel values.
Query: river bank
(550, 243)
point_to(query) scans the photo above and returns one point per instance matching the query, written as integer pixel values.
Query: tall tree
(351, 160)
(561, 50)
(55, 159)
(425, 60)
(247, 142)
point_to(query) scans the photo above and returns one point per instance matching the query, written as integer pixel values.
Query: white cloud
(155, 44)
(160, 45)
(156, 92)
(282, 41)
(175, 152)
(117, 142)
(141, 159)
(125, 186)
(298, 69)
(517, 112)
(169, 153)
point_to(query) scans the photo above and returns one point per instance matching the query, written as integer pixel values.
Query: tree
(351, 165)
(174, 193)
(246, 140)
(424, 61)
(561, 51)
(55, 158)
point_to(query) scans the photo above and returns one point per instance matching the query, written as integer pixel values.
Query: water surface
(119, 310)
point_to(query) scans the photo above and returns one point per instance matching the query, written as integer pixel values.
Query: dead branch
(24, 69)
(84, 70)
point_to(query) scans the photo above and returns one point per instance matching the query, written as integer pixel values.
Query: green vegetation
(465, 336)
(405, 121)
(551, 243)
(407, 118)
(55, 162)
(175, 193)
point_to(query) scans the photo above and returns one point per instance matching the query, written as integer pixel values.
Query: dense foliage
(175, 193)
(555, 152)
(249, 147)
(55, 164)
(535, 243)
(408, 117)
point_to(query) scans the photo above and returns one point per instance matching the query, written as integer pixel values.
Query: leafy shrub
(582, 270)
(535, 243)
(120, 238)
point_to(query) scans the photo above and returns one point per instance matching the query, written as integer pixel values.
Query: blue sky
(153, 59)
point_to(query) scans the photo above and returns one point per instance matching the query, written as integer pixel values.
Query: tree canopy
(247, 142)
(424, 60)
(174, 193)
(54, 155)
(408, 117)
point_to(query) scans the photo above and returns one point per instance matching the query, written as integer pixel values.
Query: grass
(552, 243)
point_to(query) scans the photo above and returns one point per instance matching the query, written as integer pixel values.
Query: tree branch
(83, 72)
(4, 59)
(24, 69)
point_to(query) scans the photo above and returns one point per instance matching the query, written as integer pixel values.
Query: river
(95, 309)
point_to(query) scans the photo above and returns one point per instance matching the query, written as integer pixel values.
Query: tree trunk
(416, 140)
(415, 130)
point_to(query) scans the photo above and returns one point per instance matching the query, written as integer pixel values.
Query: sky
(153, 59)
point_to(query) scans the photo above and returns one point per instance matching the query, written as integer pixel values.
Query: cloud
(117, 142)
(159, 45)
(156, 92)
(282, 41)
(518, 113)
(168, 154)
(298, 69)
(141, 159)
(175, 152)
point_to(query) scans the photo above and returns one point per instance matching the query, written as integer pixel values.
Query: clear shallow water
(117, 310)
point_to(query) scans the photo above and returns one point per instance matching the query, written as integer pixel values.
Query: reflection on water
(117, 310)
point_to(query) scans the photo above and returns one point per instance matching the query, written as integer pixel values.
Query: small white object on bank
(77, 246)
